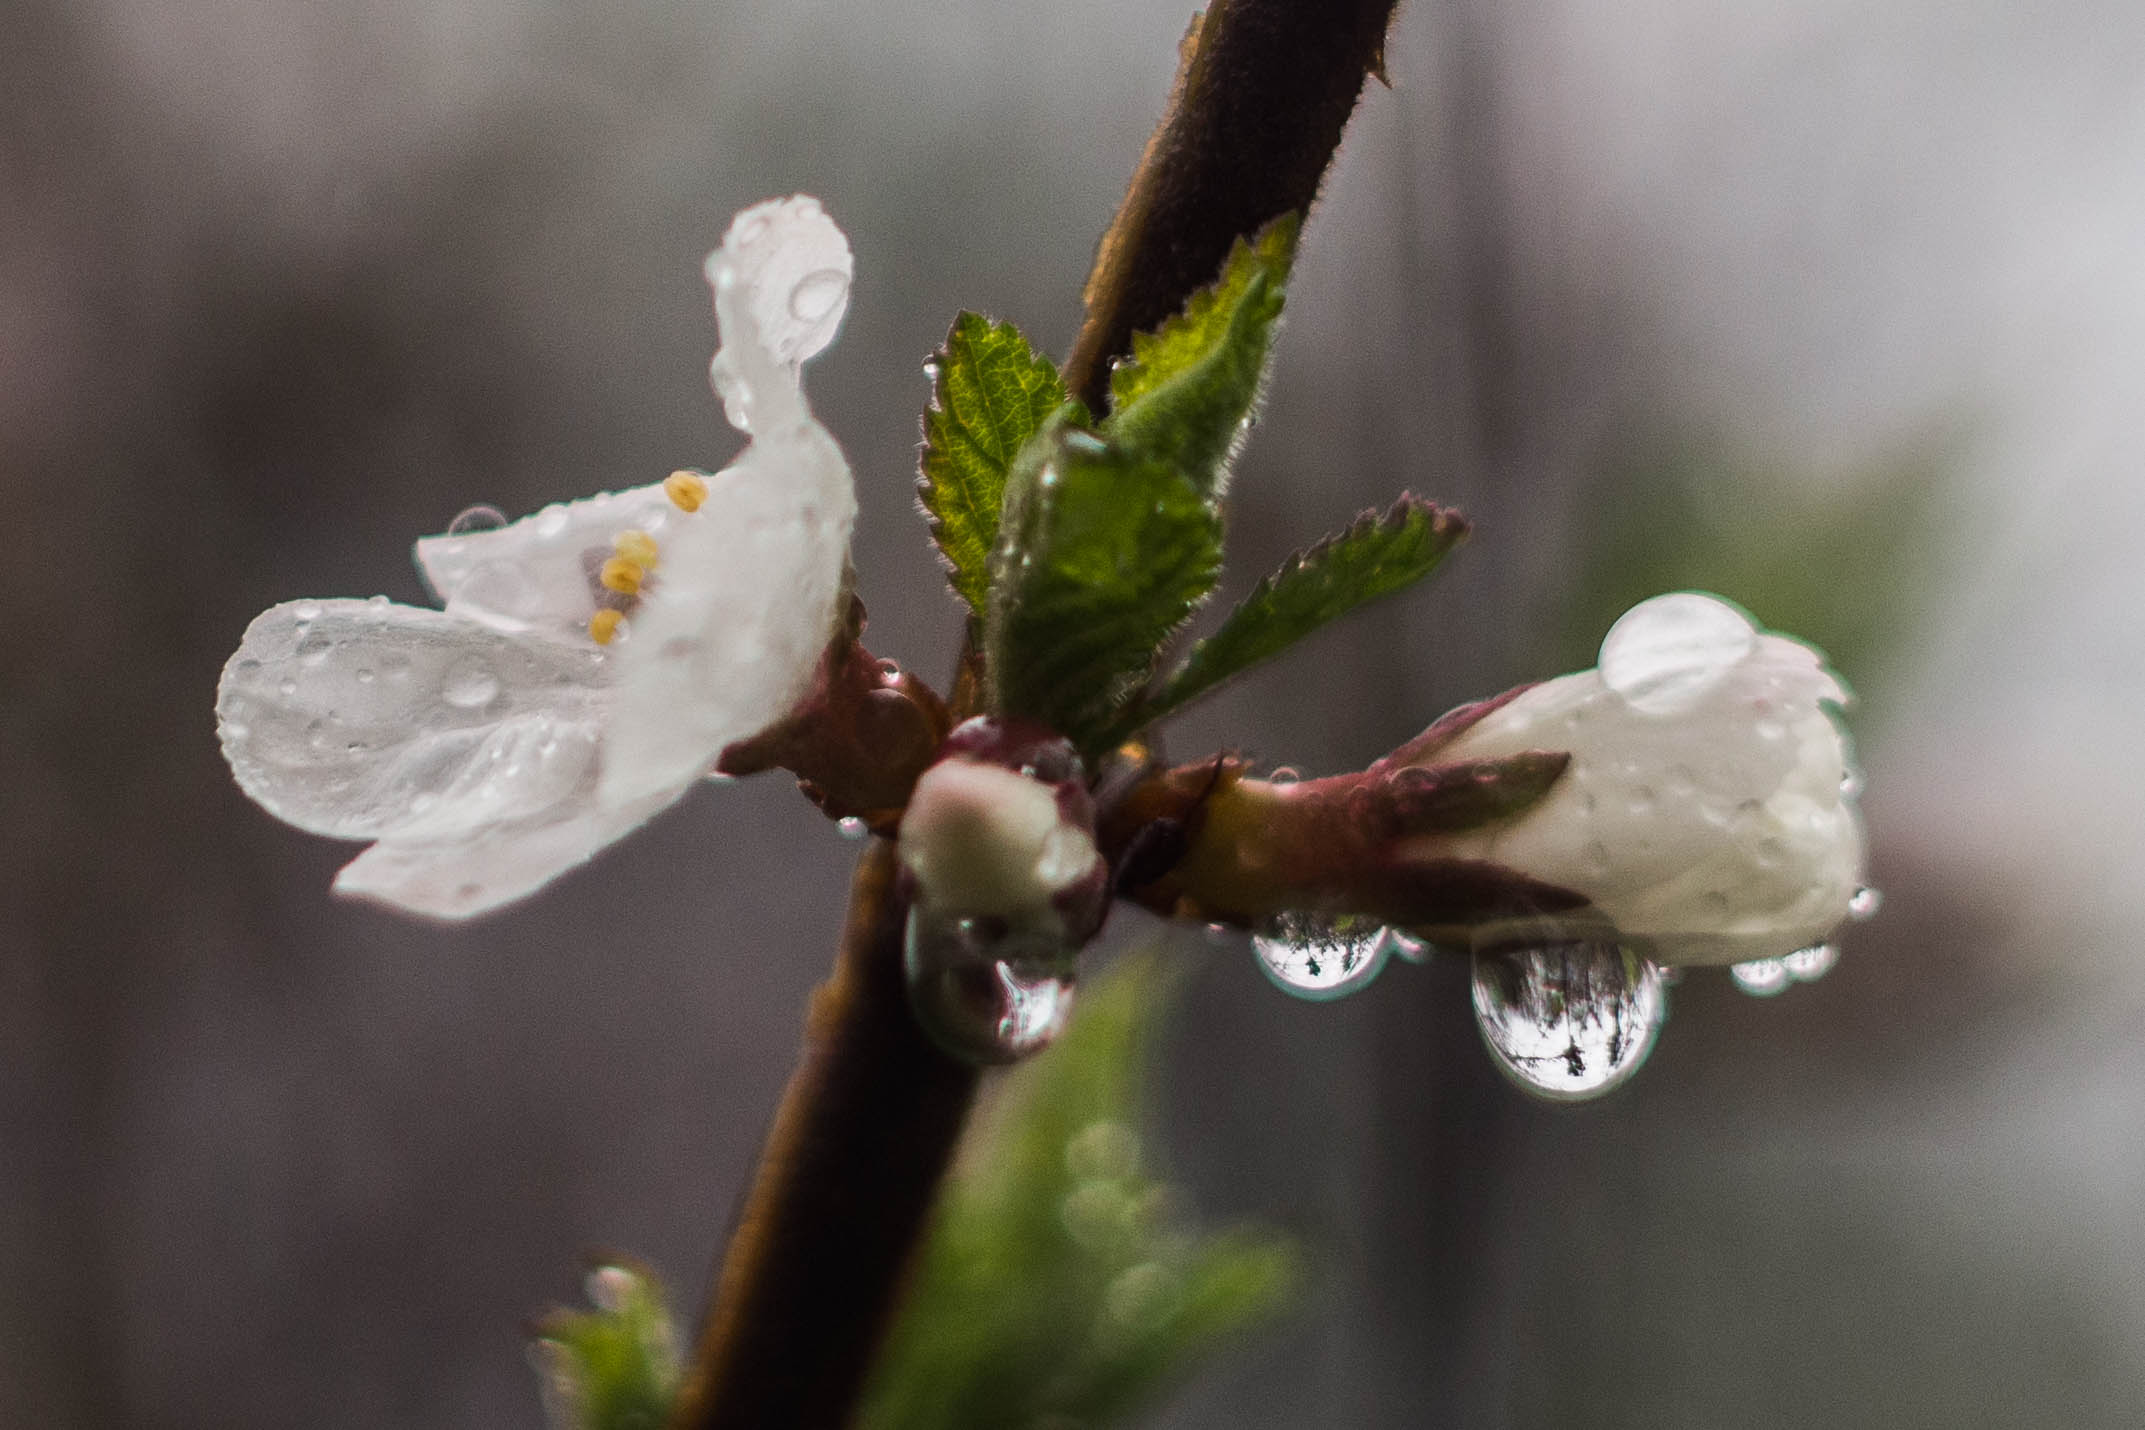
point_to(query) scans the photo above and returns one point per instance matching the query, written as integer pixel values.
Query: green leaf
(1375, 557)
(1104, 554)
(1186, 390)
(991, 393)
(1059, 1283)
(616, 1367)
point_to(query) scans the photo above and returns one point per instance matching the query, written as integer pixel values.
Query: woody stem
(872, 1115)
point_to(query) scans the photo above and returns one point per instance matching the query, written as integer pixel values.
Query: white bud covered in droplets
(1708, 811)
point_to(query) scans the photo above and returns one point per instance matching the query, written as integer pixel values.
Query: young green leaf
(1187, 389)
(1103, 554)
(991, 392)
(1375, 557)
(613, 1368)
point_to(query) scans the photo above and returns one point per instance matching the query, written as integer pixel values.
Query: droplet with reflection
(1568, 1021)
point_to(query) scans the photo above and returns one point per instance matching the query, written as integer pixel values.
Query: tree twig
(871, 1118)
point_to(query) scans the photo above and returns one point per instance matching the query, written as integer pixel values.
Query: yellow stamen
(622, 576)
(687, 489)
(635, 546)
(604, 625)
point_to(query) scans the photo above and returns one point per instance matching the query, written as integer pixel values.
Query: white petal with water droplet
(359, 721)
(538, 573)
(1714, 832)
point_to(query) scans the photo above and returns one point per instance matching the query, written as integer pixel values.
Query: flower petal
(752, 581)
(458, 878)
(538, 574)
(359, 719)
(781, 282)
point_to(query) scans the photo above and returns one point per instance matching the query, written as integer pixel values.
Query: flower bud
(1707, 812)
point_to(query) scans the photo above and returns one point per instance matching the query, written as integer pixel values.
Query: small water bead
(1406, 946)
(1807, 965)
(471, 520)
(1663, 655)
(816, 294)
(1762, 977)
(852, 827)
(1316, 957)
(1568, 1021)
(469, 685)
(1285, 775)
(1862, 905)
(984, 992)
(304, 611)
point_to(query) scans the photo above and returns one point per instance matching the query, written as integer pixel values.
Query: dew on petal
(816, 294)
(1568, 1021)
(1662, 655)
(469, 685)
(476, 518)
(1863, 904)
(852, 827)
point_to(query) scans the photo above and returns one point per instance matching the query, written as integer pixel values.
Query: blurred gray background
(1835, 308)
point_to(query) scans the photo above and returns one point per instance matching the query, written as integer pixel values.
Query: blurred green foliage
(1848, 563)
(1060, 1285)
(614, 1367)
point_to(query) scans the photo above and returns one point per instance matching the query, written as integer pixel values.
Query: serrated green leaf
(991, 393)
(1378, 555)
(1186, 390)
(1103, 554)
(1058, 1284)
(615, 1367)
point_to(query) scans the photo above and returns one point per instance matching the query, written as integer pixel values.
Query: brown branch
(846, 1180)
(1263, 91)
(871, 1118)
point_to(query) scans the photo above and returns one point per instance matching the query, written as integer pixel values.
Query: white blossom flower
(1708, 810)
(592, 661)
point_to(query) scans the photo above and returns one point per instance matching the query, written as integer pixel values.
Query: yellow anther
(603, 625)
(622, 576)
(687, 489)
(635, 546)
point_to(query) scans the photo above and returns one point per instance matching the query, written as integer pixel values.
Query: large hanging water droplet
(1568, 1021)
(1662, 655)
(986, 993)
(1313, 956)
(475, 519)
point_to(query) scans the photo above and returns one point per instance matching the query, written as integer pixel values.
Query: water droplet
(551, 521)
(476, 518)
(1864, 903)
(1761, 977)
(305, 611)
(364, 675)
(1285, 775)
(1406, 946)
(1568, 1021)
(1316, 957)
(469, 685)
(1663, 655)
(817, 294)
(286, 687)
(932, 370)
(986, 993)
(889, 670)
(313, 650)
(735, 392)
(1850, 783)
(1807, 965)
(852, 828)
